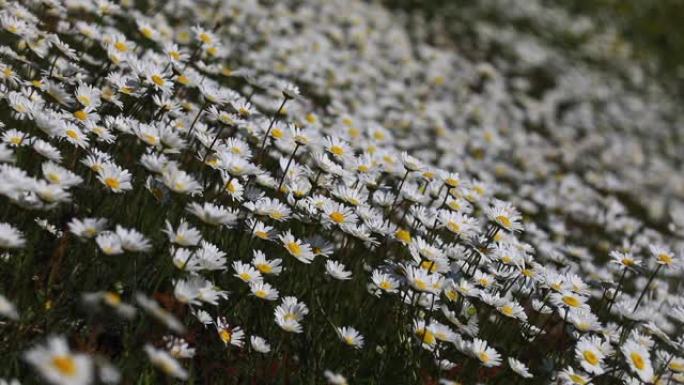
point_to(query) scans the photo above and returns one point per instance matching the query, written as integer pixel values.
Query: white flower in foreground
(58, 365)
(115, 178)
(8, 309)
(639, 359)
(165, 362)
(487, 355)
(10, 238)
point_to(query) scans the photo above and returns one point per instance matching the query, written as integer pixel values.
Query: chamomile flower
(639, 359)
(266, 266)
(519, 368)
(58, 365)
(263, 290)
(10, 237)
(337, 270)
(296, 248)
(487, 355)
(350, 336)
(504, 215)
(229, 335)
(165, 362)
(115, 178)
(259, 344)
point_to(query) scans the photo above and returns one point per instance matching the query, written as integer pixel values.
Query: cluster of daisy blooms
(237, 191)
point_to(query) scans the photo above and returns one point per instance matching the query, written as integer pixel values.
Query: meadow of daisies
(312, 192)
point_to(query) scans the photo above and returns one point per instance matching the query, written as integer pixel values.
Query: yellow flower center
(182, 79)
(590, 357)
(245, 276)
(72, 134)
(637, 360)
(261, 234)
(112, 183)
(264, 268)
(577, 379)
(294, 248)
(158, 80)
(81, 115)
(225, 336)
(507, 310)
(385, 285)
(420, 284)
(204, 38)
(677, 366)
(484, 357)
(665, 259)
(7, 72)
(121, 46)
(454, 227)
(84, 99)
(148, 33)
(426, 336)
(571, 301)
(230, 187)
(403, 235)
(112, 299)
(277, 133)
(311, 118)
(64, 364)
(337, 150)
(261, 293)
(337, 217)
(16, 140)
(504, 221)
(54, 178)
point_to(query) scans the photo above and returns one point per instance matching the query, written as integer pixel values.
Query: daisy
(266, 266)
(384, 281)
(109, 243)
(290, 313)
(87, 227)
(568, 299)
(589, 356)
(58, 175)
(519, 368)
(263, 290)
(115, 178)
(132, 240)
(297, 248)
(58, 365)
(663, 255)
(165, 362)
(505, 215)
(213, 214)
(350, 336)
(425, 334)
(10, 238)
(184, 235)
(571, 377)
(229, 335)
(180, 182)
(7, 309)
(245, 272)
(259, 344)
(337, 270)
(338, 214)
(639, 359)
(487, 355)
